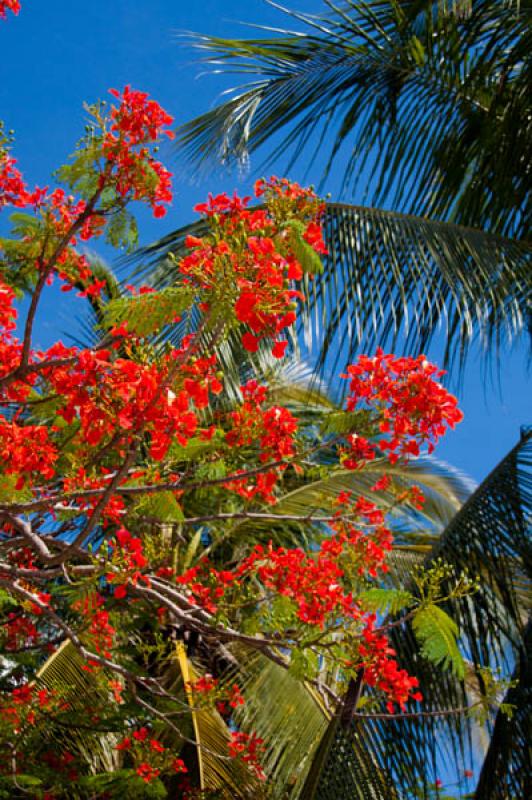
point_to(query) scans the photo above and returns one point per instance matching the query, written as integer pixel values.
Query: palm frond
(287, 714)
(217, 772)
(63, 672)
(490, 538)
(445, 489)
(507, 766)
(426, 91)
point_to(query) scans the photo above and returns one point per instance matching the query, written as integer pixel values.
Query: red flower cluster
(13, 190)
(314, 583)
(20, 632)
(136, 123)
(362, 551)
(123, 162)
(250, 259)
(63, 763)
(128, 557)
(9, 5)
(26, 451)
(8, 313)
(271, 429)
(10, 349)
(21, 706)
(208, 689)
(203, 584)
(100, 632)
(382, 671)
(115, 395)
(64, 211)
(249, 749)
(319, 584)
(149, 756)
(114, 509)
(200, 376)
(414, 408)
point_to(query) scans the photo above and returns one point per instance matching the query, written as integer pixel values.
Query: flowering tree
(126, 471)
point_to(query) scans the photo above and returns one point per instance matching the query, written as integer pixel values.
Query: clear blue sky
(58, 54)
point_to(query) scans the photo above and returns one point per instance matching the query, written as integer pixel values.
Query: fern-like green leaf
(305, 254)
(381, 600)
(148, 313)
(195, 447)
(436, 632)
(162, 506)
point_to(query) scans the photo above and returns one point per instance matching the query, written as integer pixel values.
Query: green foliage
(28, 784)
(229, 776)
(390, 275)
(212, 470)
(426, 88)
(437, 634)
(381, 600)
(288, 714)
(340, 422)
(123, 783)
(7, 601)
(9, 493)
(195, 448)
(304, 664)
(148, 313)
(306, 255)
(122, 231)
(161, 506)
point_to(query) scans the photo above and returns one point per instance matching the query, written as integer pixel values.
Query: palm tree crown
(435, 96)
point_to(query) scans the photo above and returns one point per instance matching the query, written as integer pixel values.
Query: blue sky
(58, 54)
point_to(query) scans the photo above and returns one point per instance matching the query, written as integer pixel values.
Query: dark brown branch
(352, 696)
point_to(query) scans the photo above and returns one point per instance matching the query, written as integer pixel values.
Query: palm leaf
(230, 777)
(288, 714)
(422, 85)
(63, 673)
(445, 489)
(507, 766)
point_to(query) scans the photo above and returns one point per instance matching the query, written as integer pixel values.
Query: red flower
(147, 772)
(10, 5)
(279, 349)
(250, 342)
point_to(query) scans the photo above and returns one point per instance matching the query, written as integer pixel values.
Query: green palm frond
(394, 280)
(349, 770)
(91, 324)
(507, 766)
(445, 489)
(415, 530)
(217, 772)
(490, 538)
(440, 96)
(287, 714)
(63, 672)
